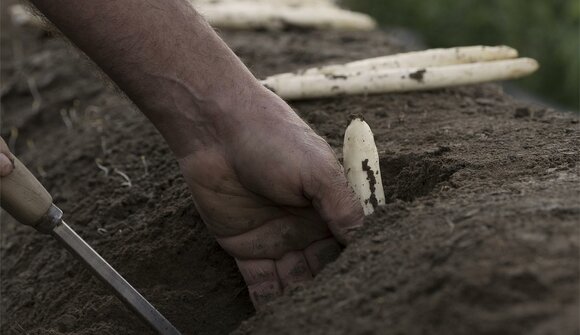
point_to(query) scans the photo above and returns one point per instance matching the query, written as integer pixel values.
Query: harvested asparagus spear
(251, 15)
(280, 2)
(361, 164)
(426, 58)
(398, 80)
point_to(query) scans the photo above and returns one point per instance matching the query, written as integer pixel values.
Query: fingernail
(263, 293)
(6, 165)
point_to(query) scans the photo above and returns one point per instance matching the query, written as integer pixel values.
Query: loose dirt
(480, 234)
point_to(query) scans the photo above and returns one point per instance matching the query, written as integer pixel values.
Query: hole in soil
(407, 177)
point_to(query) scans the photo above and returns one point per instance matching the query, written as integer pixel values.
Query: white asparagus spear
(399, 80)
(361, 164)
(279, 2)
(426, 58)
(248, 15)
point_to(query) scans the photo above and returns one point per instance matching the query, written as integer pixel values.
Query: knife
(24, 197)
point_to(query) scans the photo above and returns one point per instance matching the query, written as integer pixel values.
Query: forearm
(165, 57)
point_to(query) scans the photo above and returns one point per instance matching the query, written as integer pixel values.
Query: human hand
(6, 159)
(273, 194)
(267, 186)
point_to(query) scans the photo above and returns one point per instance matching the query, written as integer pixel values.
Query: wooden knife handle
(23, 196)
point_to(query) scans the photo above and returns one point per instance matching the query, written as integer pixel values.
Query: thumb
(6, 159)
(335, 200)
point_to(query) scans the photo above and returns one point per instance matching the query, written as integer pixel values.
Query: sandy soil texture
(480, 234)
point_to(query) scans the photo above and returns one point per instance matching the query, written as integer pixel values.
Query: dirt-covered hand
(6, 159)
(274, 195)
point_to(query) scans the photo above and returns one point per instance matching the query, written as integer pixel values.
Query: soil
(479, 235)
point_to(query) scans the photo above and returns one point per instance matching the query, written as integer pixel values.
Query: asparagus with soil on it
(362, 166)
(425, 58)
(398, 80)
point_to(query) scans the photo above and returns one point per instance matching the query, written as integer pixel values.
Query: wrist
(191, 121)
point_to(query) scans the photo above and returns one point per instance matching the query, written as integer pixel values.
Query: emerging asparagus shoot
(361, 164)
